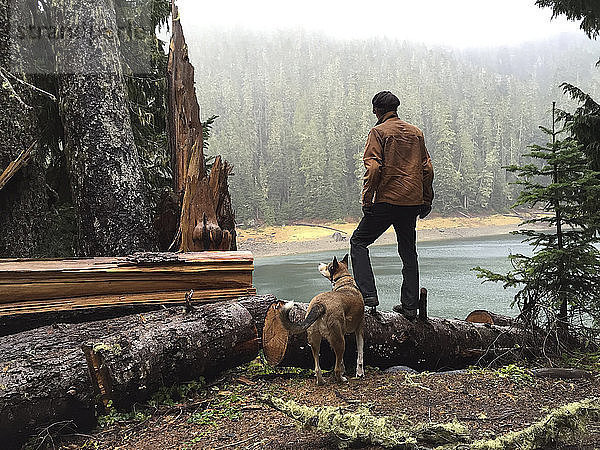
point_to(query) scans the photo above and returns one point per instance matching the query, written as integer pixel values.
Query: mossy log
(391, 339)
(361, 427)
(62, 372)
(556, 426)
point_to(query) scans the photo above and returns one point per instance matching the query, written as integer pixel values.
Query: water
(445, 269)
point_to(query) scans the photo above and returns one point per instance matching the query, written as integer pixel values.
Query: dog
(332, 315)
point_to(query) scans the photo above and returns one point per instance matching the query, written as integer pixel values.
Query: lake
(445, 269)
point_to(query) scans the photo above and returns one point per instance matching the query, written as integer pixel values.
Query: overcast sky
(460, 23)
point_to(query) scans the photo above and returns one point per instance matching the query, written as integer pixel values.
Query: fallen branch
(14, 166)
(297, 224)
(564, 373)
(31, 86)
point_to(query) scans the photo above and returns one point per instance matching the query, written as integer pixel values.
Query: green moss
(439, 434)
(114, 417)
(583, 360)
(227, 408)
(515, 373)
(115, 349)
(170, 395)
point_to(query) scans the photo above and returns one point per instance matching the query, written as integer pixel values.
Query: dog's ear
(345, 260)
(334, 265)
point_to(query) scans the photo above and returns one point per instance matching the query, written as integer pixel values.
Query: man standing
(397, 188)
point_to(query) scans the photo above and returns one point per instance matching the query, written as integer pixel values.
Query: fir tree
(560, 283)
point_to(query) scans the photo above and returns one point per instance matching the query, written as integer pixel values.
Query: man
(397, 188)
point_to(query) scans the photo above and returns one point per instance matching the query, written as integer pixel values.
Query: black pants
(373, 225)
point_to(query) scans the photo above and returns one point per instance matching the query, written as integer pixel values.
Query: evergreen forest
(294, 110)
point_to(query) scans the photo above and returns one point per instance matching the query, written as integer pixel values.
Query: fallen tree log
(45, 377)
(391, 340)
(27, 280)
(15, 323)
(38, 292)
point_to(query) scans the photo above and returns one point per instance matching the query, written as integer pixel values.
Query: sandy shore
(294, 239)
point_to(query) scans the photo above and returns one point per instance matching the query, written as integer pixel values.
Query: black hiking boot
(410, 314)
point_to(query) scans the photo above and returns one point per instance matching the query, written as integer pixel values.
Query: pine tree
(560, 283)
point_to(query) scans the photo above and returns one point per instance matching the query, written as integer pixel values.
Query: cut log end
(483, 316)
(275, 336)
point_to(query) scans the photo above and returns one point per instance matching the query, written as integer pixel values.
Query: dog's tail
(315, 313)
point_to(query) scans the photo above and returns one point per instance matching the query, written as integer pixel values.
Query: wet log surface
(391, 340)
(38, 292)
(61, 372)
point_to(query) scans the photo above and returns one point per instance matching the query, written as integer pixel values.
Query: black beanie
(386, 101)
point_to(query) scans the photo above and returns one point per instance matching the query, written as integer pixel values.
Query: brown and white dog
(332, 315)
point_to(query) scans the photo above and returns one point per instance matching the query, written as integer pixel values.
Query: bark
(109, 192)
(207, 221)
(16, 323)
(58, 373)
(392, 340)
(23, 200)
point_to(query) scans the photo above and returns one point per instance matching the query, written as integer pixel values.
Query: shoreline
(292, 239)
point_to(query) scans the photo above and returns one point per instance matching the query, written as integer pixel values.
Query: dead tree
(207, 221)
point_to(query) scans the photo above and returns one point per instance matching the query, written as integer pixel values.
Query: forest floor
(293, 239)
(227, 413)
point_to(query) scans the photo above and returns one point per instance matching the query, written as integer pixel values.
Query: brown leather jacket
(399, 169)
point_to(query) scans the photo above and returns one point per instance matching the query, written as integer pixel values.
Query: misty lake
(445, 269)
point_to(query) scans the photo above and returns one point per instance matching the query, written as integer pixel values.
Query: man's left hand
(425, 210)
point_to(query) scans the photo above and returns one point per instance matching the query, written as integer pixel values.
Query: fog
(458, 23)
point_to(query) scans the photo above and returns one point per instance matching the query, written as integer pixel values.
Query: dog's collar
(333, 280)
(350, 284)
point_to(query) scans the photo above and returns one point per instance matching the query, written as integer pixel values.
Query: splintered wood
(207, 220)
(34, 286)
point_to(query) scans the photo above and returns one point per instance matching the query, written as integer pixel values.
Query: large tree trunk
(207, 219)
(58, 373)
(23, 200)
(109, 189)
(392, 340)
